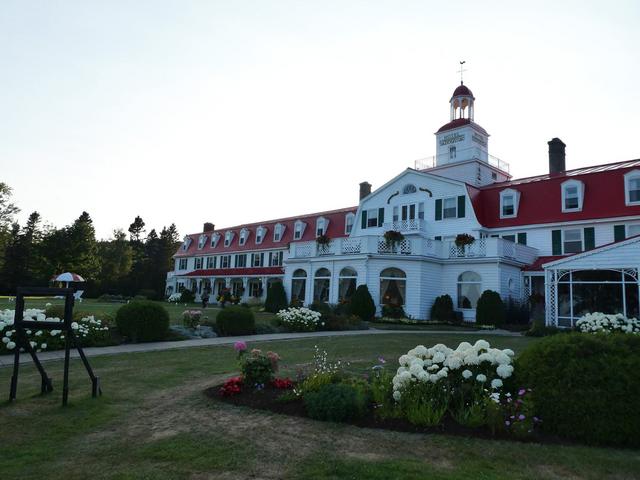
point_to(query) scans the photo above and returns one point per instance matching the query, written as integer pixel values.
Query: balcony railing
(430, 162)
(406, 226)
(376, 245)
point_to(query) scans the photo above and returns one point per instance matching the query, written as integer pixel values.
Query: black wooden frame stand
(21, 325)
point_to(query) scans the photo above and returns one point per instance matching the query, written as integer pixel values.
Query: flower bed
(300, 319)
(599, 322)
(89, 330)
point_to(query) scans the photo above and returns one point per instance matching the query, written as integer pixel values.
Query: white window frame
(261, 232)
(244, 235)
(581, 230)
(349, 222)
(211, 262)
(278, 232)
(298, 229)
(180, 263)
(628, 232)
(509, 192)
(238, 256)
(276, 259)
(198, 263)
(579, 186)
(186, 243)
(455, 207)
(632, 175)
(215, 238)
(322, 224)
(228, 261)
(409, 189)
(256, 259)
(202, 240)
(228, 238)
(372, 213)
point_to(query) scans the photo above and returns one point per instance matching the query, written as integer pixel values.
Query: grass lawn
(154, 421)
(100, 309)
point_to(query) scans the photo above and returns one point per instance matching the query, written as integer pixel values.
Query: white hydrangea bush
(479, 363)
(600, 322)
(300, 319)
(174, 297)
(45, 339)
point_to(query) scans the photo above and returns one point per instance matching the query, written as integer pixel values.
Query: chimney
(365, 189)
(208, 227)
(556, 156)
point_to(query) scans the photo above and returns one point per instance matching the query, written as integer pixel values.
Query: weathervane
(462, 70)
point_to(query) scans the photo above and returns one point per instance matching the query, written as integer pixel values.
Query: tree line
(127, 264)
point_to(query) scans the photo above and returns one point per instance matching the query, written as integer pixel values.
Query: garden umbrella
(68, 277)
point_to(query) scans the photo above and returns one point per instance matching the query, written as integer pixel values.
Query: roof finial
(462, 70)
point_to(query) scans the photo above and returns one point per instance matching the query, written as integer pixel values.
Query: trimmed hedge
(490, 309)
(336, 402)
(143, 321)
(362, 304)
(585, 385)
(276, 298)
(236, 321)
(442, 309)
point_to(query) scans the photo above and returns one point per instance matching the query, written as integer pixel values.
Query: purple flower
(521, 417)
(381, 359)
(507, 423)
(522, 391)
(240, 347)
(512, 417)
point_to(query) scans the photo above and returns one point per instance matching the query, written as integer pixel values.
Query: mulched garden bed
(267, 399)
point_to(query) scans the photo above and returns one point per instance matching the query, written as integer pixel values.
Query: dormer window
(228, 238)
(244, 234)
(349, 220)
(186, 243)
(260, 234)
(409, 189)
(572, 196)
(278, 232)
(321, 226)
(215, 238)
(298, 229)
(509, 200)
(202, 240)
(632, 188)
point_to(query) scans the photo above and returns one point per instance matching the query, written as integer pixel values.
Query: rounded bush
(442, 309)
(336, 403)
(490, 309)
(276, 298)
(236, 321)
(584, 386)
(362, 304)
(143, 321)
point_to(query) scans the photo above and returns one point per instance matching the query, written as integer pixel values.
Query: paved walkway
(6, 360)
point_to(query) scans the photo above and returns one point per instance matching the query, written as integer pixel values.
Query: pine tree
(276, 298)
(136, 229)
(362, 304)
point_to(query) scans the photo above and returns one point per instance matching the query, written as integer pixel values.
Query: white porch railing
(372, 244)
(413, 225)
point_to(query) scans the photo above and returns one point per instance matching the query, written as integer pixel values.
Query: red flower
(282, 383)
(233, 386)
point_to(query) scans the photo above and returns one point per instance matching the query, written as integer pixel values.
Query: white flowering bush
(88, 329)
(431, 381)
(300, 319)
(600, 322)
(174, 297)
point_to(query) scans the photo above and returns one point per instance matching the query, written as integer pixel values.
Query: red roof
(462, 90)
(540, 197)
(336, 229)
(537, 265)
(461, 122)
(235, 272)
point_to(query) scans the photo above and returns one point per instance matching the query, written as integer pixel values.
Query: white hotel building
(570, 235)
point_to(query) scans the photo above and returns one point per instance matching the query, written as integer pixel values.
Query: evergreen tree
(136, 229)
(362, 304)
(276, 298)
(7, 214)
(117, 259)
(82, 254)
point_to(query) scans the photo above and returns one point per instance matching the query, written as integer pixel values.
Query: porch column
(245, 289)
(263, 282)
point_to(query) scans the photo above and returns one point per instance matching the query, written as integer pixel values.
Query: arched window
(347, 284)
(393, 287)
(409, 188)
(321, 285)
(298, 286)
(469, 289)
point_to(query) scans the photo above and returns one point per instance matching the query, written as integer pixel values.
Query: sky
(242, 111)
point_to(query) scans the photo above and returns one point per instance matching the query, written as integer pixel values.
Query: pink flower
(240, 347)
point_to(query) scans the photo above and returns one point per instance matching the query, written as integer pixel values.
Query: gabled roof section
(461, 122)
(601, 249)
(336, 229)
(540, 197)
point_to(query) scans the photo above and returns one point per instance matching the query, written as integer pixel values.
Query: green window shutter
(619, 233)
(589, 238)
(364, 219)
(556, 242)
(380, 216)
(439, 209)
(462, 200)
(262, 259)
(522, 238)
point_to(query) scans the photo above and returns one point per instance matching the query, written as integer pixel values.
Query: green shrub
(143, 321)
(362, 304)
(236, 321)
(276, 298)
(517, 313)
(107, 298)
(322, 308)
(187, 296)
(393, 311)
(442, 309)
(336, 403)
(343, 322)
(584, 386)
(148, 293)
(490, 309)
(381, 388)
(258, 368)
